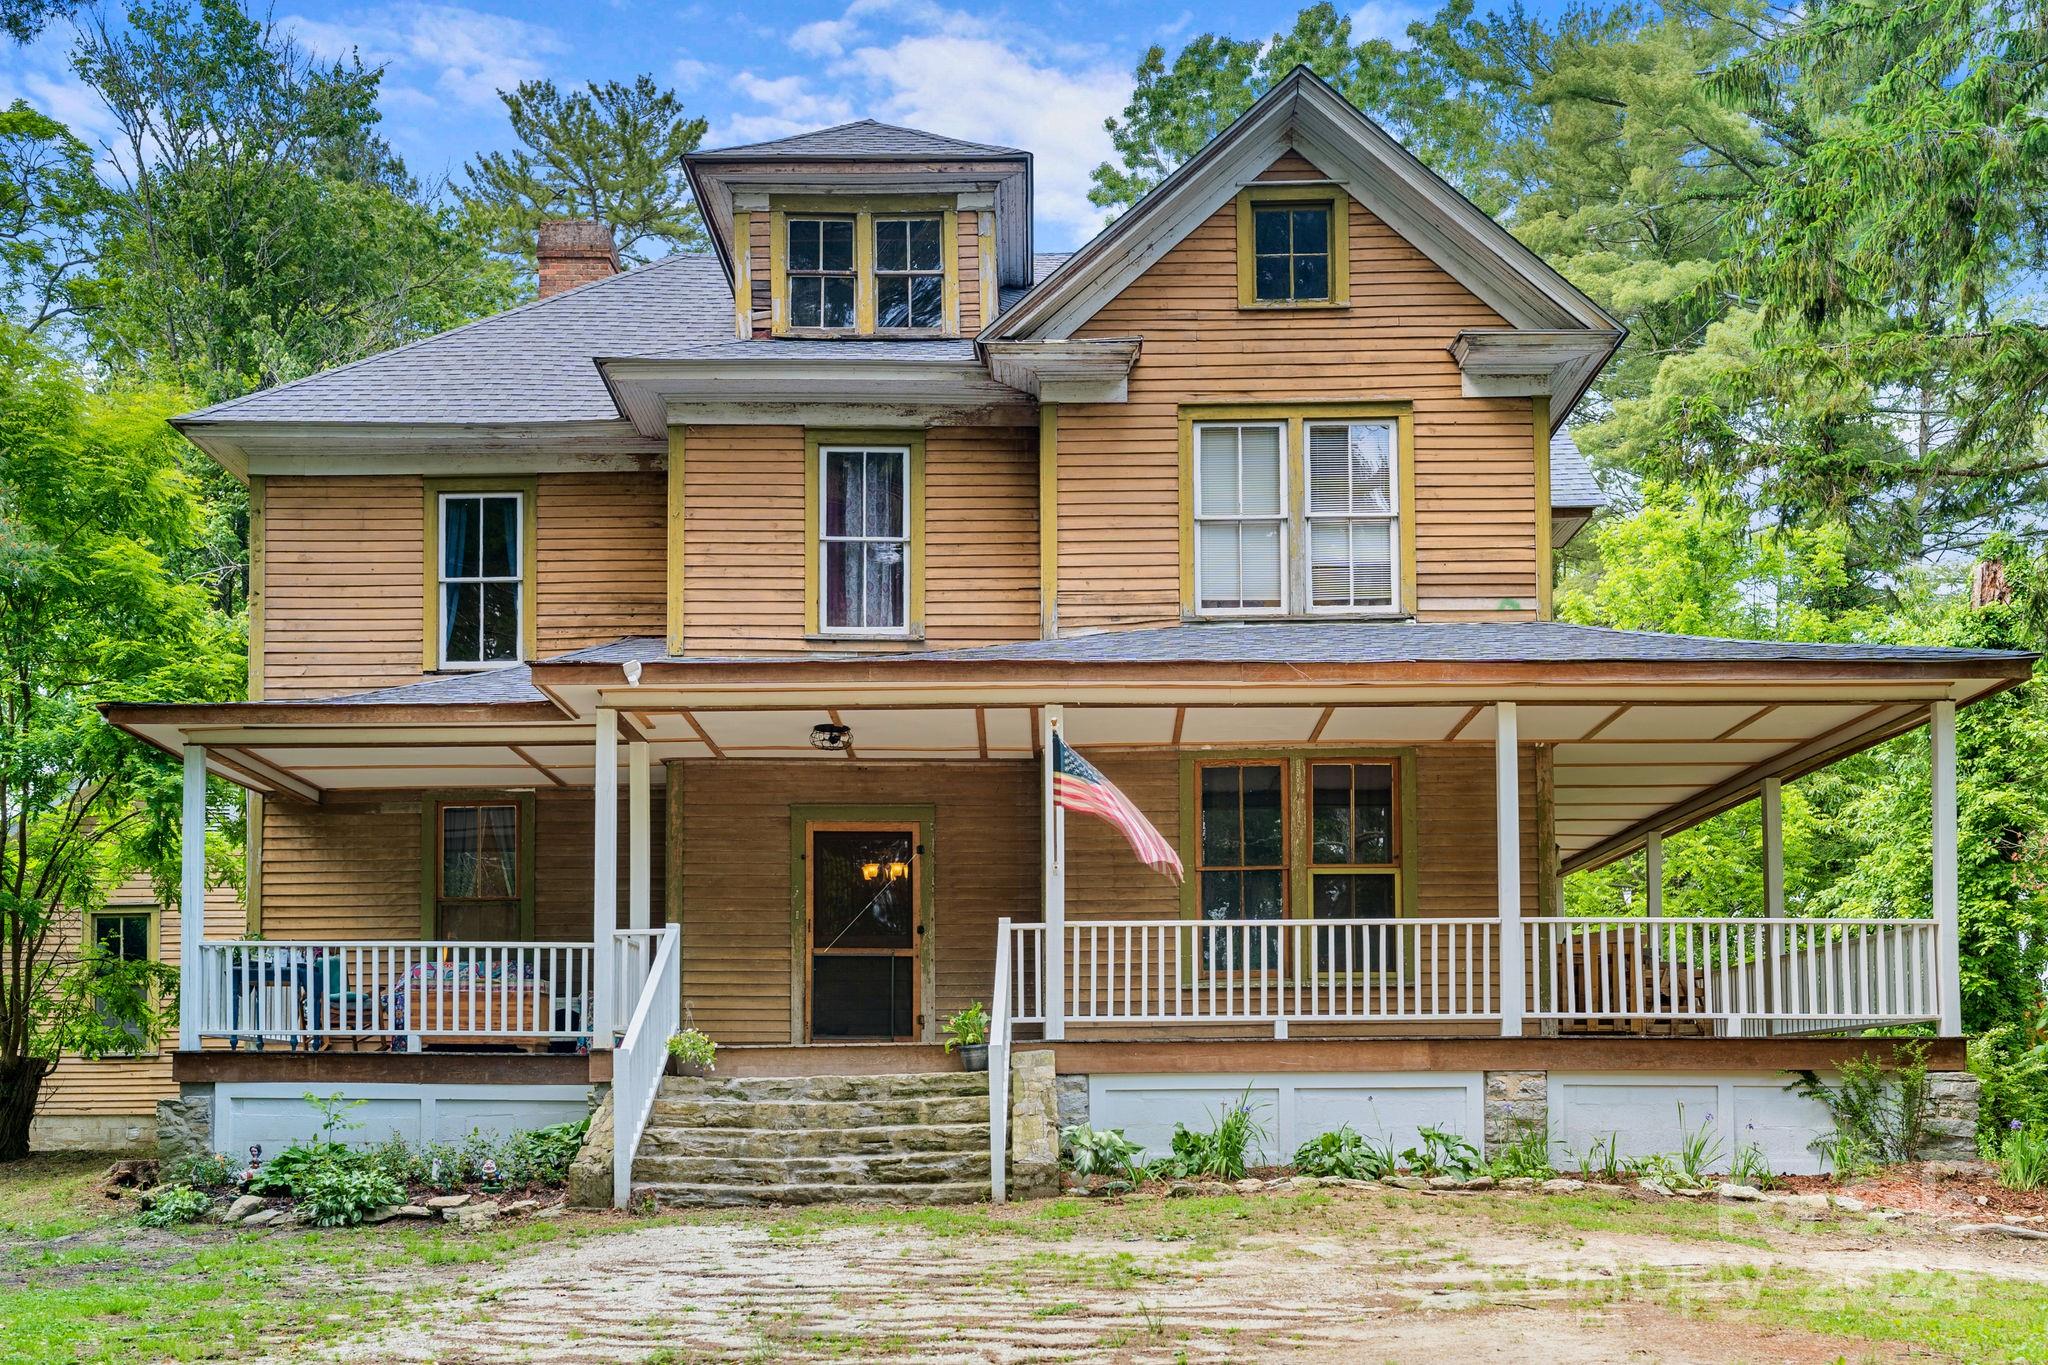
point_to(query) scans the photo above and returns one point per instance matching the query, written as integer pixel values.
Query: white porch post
(639, 835)
(1653, 875)
(1507, 805)
(1053, 875)
(1773, 798)
(604, 888)
(1948, 948)
(191, 897)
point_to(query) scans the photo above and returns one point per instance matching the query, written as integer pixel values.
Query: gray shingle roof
(1042, 263)
(1571, 479)
(865, 138)
(514, 684)
(532, 363)
(1367, 642)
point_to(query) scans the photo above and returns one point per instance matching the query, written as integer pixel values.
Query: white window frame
(1284, 520)
(1305, 578)
(937, 272)
(825, 542)
(442, 580)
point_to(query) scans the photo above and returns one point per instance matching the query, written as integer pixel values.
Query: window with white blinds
(1351, 514)
(1296, 516)
(1240, 516)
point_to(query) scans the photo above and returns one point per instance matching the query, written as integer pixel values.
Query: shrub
(171, 1205)
(967, 1028)
(1222, 1151)
(1527, 1157)
(342, 1195)
(1442, 1153)
(1343, 1154)
(1880, 1116)
(2011, 1062)
(2023, 1159)
(289, 1171)
(1099, 1151)
(547, 1153)
(207, 1170)
(693, 1047)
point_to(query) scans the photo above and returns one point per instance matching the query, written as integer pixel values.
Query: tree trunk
(20, 1082)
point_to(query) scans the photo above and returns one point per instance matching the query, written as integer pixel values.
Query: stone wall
(1954, 1097)
(1034, 1170)
(184, 1126)
(1517, 1102)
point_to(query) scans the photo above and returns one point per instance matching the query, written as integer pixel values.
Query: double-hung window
(1353, 860)
(1240, 516)
(482, 567)
(820, 270)
(477, 891)
(910, 273)
(123, 937)
(864, 536)
(1296, 516)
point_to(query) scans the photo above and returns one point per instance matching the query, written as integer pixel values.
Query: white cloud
(449, 51)
(688, 72)
(1387, 19)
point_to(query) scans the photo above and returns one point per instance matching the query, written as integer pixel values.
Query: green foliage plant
(1527, 1157)
(966, 1028)
(1221, 1153)
(1099, 1151)
(172, 1205)
(1751, 1167)
(1442, 1153)
(692, 1047)
(1700, 1150)
(2023, 1159)
(343, 1194)
(1880, 1114)
(1342, 1153)
(1602, 1160)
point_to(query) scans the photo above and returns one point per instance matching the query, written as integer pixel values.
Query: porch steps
(919, 1138)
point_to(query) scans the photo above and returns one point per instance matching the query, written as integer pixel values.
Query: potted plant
(968, 1031)
(691, 1053)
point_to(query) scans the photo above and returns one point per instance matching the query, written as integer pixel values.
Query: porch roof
(1647, 732)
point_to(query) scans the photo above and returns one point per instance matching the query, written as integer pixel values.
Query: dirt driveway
(1332, 1275)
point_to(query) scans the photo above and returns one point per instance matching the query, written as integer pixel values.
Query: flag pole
(1053, 877)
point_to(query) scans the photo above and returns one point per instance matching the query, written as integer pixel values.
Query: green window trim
(864, 211)
(1299, 196)
(431, 804)
(1297, 824)
(816, 441)
(529, 563)
(1296, 417)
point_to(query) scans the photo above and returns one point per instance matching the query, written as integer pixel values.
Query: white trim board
(1294, 1106)
(273, 1114)
(1639, 1111)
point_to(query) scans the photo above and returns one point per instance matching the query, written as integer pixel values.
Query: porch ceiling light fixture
(830, 736)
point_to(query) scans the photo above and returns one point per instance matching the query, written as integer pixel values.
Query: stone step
(672, 1194)
(909, 1085)
(727, 1111)
(861, 1171)
(800, 1142)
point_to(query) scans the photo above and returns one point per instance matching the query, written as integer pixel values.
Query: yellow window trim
(529, 561)
(1539, 422)
(1253, 196)
(864, 212)
(815, 439)
(1295, 415)
(742, 275)
(153, 944)
(430, 852)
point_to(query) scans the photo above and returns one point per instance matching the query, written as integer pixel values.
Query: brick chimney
(574, 251)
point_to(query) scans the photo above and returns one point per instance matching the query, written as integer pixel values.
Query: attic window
(910, 273)
(821, 274)
(1291, 248)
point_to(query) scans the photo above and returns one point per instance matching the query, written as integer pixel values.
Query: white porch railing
(1740, 975)
(641, 1057)
(1802, 973)
(999, 1020)
(633, 961)
(404, 992)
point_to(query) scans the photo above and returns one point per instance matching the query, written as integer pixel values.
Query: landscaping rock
(1847, 1204)
(447, 1201)
(519, 1206)
(2002, 1230)
(263, 1218)
(1445, 1182)
(385, 1214)
(412, 1211)
(1741, 1193)
(1180, 1189)
(1480, 1182)
(1343, 1183)
(472, 1217)
(1562, 1186)
(1519, 1182)
(1250, 1186)
(1214, 1188)
(1654, 1186)
(244, 1205)
(1406, 1182)
(1306, 1182)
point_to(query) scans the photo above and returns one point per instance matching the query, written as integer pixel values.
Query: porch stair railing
(641, 1057)
(1611, 973)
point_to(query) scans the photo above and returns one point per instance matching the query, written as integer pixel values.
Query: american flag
(1078, 785)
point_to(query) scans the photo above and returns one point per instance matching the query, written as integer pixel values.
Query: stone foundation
(1034, 1126)
(1516, 1102)
(590, 1175)
(184, 1126)
(1071, 1093)
(92, 1133)
(1952, 1123)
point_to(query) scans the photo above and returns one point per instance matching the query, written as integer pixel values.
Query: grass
(53, 1195)
(1970, 1317)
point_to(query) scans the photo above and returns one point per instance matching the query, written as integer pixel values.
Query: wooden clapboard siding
(132, 1085)
(738, 901)
(760, 279)
(1475, 519)
(349, 868)
(967, 270)
(744, 537)
(981, 534)
(601, 562)
(564, 826)
(1105, 880)
(342, 587)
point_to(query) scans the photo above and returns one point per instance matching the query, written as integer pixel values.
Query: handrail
(999, 1070)
(641, 1058)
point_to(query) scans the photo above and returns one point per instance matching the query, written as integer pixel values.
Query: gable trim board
(1304, 114)
(753, 386)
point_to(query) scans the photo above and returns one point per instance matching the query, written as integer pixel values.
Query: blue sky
(1041, 76)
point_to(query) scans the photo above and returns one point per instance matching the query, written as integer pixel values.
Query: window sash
(1368, 512)
(454, 586)
(829, 539)
(921, 284)
(505, 854)
(1292, 262)
(1222, 531)
(819, 277)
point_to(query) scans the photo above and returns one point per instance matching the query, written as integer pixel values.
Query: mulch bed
(1942, 1188)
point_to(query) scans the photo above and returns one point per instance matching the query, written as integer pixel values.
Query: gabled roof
(860, 139)
(1305, 113)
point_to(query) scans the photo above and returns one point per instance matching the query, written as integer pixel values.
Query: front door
(864, 931)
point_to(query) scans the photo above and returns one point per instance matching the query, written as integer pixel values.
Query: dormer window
(821, 273)
(910, 273)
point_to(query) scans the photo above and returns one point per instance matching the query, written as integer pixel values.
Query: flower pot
(974, 1056)
(682, 1068)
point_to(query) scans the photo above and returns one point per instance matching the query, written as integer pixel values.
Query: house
(687, 645)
